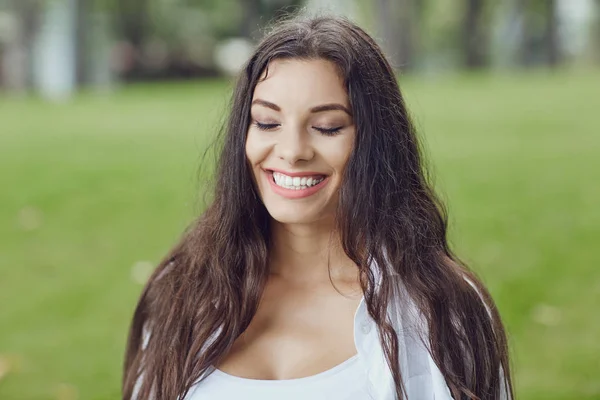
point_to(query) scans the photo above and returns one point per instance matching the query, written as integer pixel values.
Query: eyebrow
(317, 109)
(330, 107)
(267, 104)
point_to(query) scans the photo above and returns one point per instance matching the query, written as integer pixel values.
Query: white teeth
(295, 183)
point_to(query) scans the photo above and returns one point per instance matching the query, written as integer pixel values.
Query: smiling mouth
(295, 182)
(295, 186)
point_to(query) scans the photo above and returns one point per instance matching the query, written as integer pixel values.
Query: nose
(294, 146)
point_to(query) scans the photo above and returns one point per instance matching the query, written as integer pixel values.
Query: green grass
(91, 187)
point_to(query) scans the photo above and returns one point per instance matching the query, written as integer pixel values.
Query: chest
(422, 379)
(295, 333)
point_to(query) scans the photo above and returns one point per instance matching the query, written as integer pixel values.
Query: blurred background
(106, 107)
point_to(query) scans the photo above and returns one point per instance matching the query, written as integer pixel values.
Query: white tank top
(345, 381)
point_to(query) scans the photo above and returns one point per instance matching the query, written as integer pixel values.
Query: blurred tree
(551, 38)
(182, 34)
(29, 15)
(439, 39)
(83, 9)
(386, 29)
(132, 20)
(597, 31)
(397, 23)
(251, 21)
(418, 13)
(407, 35)
(475, 34)
(257, 13)
(540, 41)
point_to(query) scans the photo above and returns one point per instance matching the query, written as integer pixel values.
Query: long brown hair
(205, 292)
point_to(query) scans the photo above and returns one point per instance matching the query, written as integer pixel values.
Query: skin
(304, 323)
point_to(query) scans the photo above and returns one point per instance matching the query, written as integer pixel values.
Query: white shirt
(421, 376)
(345, 381)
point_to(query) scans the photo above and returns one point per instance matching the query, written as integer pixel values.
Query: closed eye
(328, 131)
(265, 127)
(324, 131)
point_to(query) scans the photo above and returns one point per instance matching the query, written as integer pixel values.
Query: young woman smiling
(321, 270)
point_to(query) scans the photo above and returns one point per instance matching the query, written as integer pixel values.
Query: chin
(290, 214)
(289, 217)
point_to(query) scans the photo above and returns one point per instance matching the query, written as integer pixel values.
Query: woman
(321, 269)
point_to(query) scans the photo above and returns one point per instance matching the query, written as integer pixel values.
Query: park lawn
(93, 187)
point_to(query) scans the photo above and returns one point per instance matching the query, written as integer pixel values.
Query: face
(300, 138)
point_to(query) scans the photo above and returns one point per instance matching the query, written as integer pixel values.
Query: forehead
(301, 83)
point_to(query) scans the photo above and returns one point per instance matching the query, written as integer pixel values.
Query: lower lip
(292, 193)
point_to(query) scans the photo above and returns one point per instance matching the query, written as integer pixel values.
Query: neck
(309, 253)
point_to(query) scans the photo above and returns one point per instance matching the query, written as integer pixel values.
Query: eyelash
(324, 131)
(265, 127)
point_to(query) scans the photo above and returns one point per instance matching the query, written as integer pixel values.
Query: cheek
(340, 153)
(256, 149)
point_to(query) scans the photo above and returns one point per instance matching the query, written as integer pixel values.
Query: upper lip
(292, 174)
